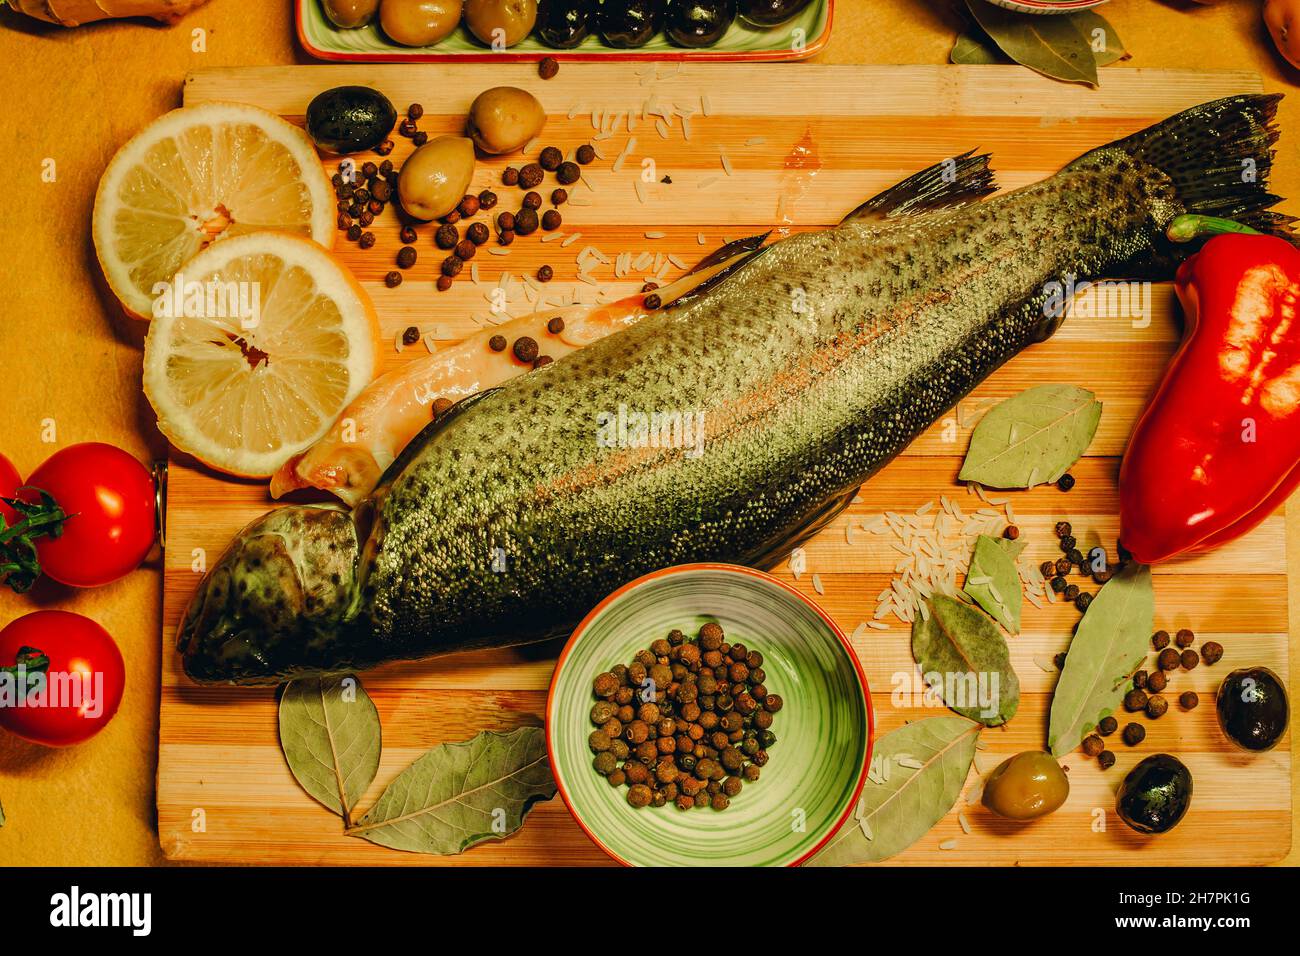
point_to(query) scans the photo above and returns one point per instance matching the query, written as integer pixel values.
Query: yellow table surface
(74, 96)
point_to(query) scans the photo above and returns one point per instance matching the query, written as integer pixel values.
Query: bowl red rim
(756, 56)
(734, 569)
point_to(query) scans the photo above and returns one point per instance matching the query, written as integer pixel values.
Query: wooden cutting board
(805, 144)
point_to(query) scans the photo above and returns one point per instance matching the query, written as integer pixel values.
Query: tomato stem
(1191, 226)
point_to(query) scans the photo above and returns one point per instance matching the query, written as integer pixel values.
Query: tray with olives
(440, 30)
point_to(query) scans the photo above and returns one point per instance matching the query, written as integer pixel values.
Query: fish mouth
(276, 602)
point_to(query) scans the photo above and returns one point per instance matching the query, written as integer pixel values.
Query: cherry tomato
(9, 482)
(83, 681)
(109, 499)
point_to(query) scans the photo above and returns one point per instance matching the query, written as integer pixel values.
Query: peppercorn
(530, 176)
(1083, 600)
(505, 237)
(1011, 532)
(555, 326)
(344, 221)
(1135, 700)
(468, 206)
(1105, 759)
(411, 335)
(367, 240)
(1184, 637)
(451, 266)
(420, 137)
(1062, 528)
(526, 222)
(1157, 706)
(407, 235)
(367, 218)
(542, 361)
(1103, 575)
(550, 159)
(1168, 659)
(1211, 652)
(1071, 592)
(1075, 556)
(1065, 482)
(1068, 542)
(1106, 726)
(1092, 745)
(525, 350)
(1058, 584)
(465, 249)
(551, 220)
(1047, 569)
(407, 127)
(1063, 566)
(361, 195)
(559, 197)
(406, 257)
(652, 301)
(510, 176)
(1140, 680)
(1134, 734)
(497, 343)
(649, 287)
(1157, 681)
(446, 237)
(393, 279)
(547, 67)
(585, 154)
(1160, 640)
(386, 167)
(568, 174)
(477, 233)
(1189, 699)
(384, 148)
(354, 231)
(1189, 659)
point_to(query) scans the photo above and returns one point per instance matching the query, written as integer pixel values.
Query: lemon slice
(255, 355)
(200, 174)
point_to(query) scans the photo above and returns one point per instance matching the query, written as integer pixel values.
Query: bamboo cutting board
(805, 144)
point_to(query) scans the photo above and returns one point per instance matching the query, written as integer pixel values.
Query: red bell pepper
(1218, 448)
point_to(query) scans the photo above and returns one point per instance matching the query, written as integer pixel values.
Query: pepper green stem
(1191, 226)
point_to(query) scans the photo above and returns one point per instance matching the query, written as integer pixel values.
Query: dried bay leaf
(1032, 437)
(968, 652)
(460, 794)
(1109, 645)
(904, 806)
(1051, 45)
(993, 582)
(331, 738)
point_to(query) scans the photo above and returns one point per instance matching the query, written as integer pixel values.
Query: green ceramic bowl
(819, 761)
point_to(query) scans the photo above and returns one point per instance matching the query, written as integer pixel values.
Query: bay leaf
(1032, 437)
(901, 807)
(460, 794)
(1107, 47)
(1110, 644)
(1013, 548)
(975, 49)
(965, 648)
(331, 738)
(993, 582)
(1051, 45)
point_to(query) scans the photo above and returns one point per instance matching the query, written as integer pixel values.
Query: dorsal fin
(945, 185)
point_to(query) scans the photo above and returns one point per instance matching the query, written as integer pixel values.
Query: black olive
(768, 13)
(630, 24)
(1155, 795)
(350, 119)
(563, 24)
(1253, 709)
(696, 23)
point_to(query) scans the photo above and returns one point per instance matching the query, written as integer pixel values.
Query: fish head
(277, 600)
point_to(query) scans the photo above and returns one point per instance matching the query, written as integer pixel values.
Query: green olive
(434, 178)
(504, 118)
(350, 14)
(513, 18)
(1026, 786)
(418, 22)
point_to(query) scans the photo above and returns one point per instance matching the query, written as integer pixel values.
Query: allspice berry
(1106, 759)
(1160, 640)
(1157, 682)
(1135, 700)
(1140, 680)
(1211, 652)
(1189, 659)
(1169, 659)
(1107, 725)
(1157, 706)
(1184, 637)
(1134, 734)
(1189, 699)
(1092, 745)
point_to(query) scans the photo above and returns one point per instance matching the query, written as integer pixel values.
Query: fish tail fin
(947, 184)
(1218, 155)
